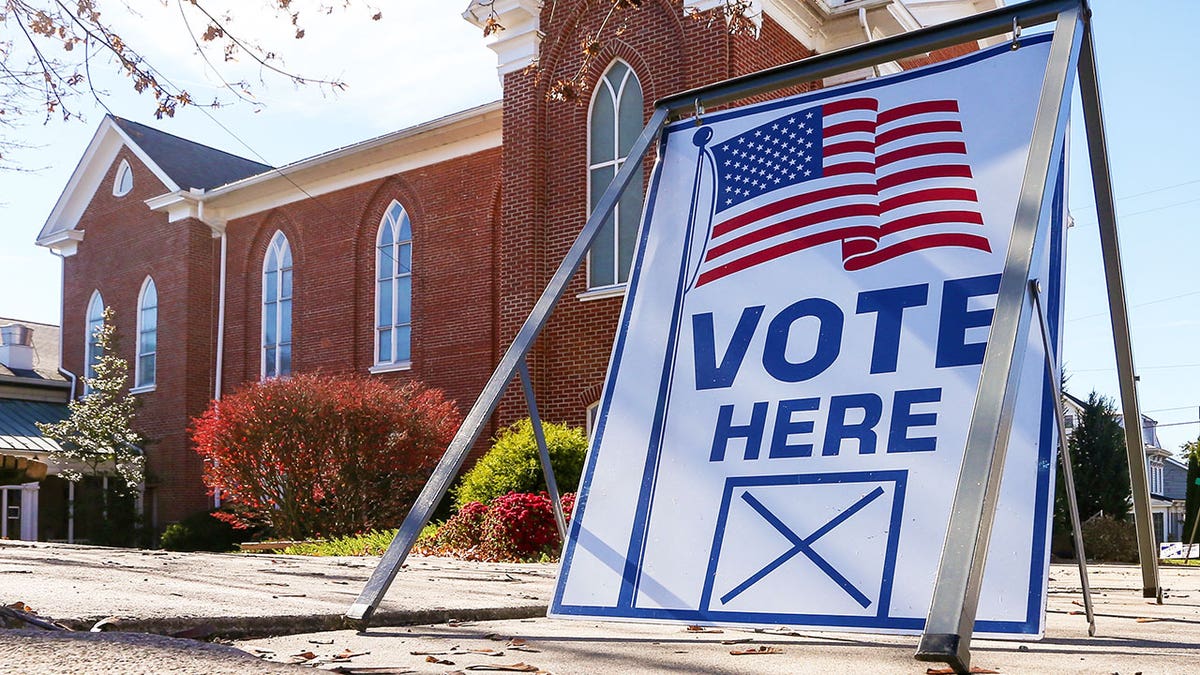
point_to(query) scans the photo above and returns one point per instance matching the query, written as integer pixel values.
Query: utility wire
(1140, 194)
(1140, 304)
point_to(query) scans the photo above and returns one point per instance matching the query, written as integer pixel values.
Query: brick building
(417, 254)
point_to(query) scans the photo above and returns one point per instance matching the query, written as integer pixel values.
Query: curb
(249, 627)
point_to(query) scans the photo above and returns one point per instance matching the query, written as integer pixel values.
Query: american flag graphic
(882, 182)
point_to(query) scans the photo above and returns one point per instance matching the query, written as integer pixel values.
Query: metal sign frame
(951, 618)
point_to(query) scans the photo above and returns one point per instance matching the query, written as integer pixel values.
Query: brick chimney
(16, 346)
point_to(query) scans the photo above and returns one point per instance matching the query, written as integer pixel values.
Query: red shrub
(315, 455)
(519, 525)
(464, 530)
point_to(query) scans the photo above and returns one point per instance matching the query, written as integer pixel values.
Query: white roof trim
(86, 179)
(456, 135)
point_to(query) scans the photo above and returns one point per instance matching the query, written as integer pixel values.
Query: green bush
(1109, 540)
(512, 465)
(202, 532)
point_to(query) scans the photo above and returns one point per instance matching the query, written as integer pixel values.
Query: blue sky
(422, 61)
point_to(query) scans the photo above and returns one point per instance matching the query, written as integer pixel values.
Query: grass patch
(1194, 562)
(368, 543)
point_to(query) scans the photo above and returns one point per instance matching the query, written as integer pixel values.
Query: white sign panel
(794, 373)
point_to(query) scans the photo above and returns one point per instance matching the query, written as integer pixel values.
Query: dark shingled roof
(189, 164)
(45, 354)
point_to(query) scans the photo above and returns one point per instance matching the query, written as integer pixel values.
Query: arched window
(92, 353)
(615, 121)
(147, 340)
(393, 289)
(277, 309)
(123, 183)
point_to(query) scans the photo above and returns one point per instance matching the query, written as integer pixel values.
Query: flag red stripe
(919, 108)
(849, 146)
(934, 127)
(780, 250)
(928, 195)
(848, 105)
(957, 239)
(795, 201)
(932, 218)
(851, 127)
(849, 167)
(921, 173)
(941, 147)
(784, 226)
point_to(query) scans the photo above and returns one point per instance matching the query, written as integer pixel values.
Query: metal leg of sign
(543, 451)
(447, 468)
(1089, 88)
(951, 619)
(1064, 453)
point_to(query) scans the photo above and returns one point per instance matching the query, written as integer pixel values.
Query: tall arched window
(147, 341)
(277, 309)
(393, 289)
(614, 124)
(91, 354)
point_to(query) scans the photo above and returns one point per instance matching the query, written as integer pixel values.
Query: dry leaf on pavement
(702, 629)
(761, 649)
(440, 662)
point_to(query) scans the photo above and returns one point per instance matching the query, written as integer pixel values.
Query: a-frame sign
(805, 328)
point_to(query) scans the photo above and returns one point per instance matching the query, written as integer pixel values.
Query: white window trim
(591, 416)
(262, 338)
(137, 351)
(618, 162)
(602, 292)
(96, 300)
(391, 366)
(122, 171)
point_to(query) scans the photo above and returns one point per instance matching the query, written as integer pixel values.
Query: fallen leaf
(1146, 619)
(431, 653)
(307, 656)
(288, 595)
(21, 607)
(761, 649)
(347, 654)
(519, 648)
(975, 670)
(320, 642)
(516, 642)
(440, 662)
(508, 668)
(740, 641)
(702, 629)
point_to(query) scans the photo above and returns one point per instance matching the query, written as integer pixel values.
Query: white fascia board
(455, 136)
(88, 175)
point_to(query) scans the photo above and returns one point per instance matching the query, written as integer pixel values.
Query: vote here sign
(793, 377)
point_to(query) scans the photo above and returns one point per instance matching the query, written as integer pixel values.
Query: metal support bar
(1064, 451)
(1093, 119)
(951, 619)
(543, 452)
(447, 468)
(975, 27)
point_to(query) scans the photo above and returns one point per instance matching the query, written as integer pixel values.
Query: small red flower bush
(464, 530)
(518, 526)
(313, 455)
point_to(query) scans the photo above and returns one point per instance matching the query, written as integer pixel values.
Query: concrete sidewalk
(498, 613)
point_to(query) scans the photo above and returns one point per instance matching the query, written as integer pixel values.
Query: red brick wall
(332, 237)
(545, 174)
(123, 243)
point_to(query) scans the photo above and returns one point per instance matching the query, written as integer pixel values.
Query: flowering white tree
(99, 433)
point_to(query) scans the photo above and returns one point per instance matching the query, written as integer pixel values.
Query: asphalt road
(476, 615)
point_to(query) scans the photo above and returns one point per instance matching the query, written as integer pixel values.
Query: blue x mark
(804, 545)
